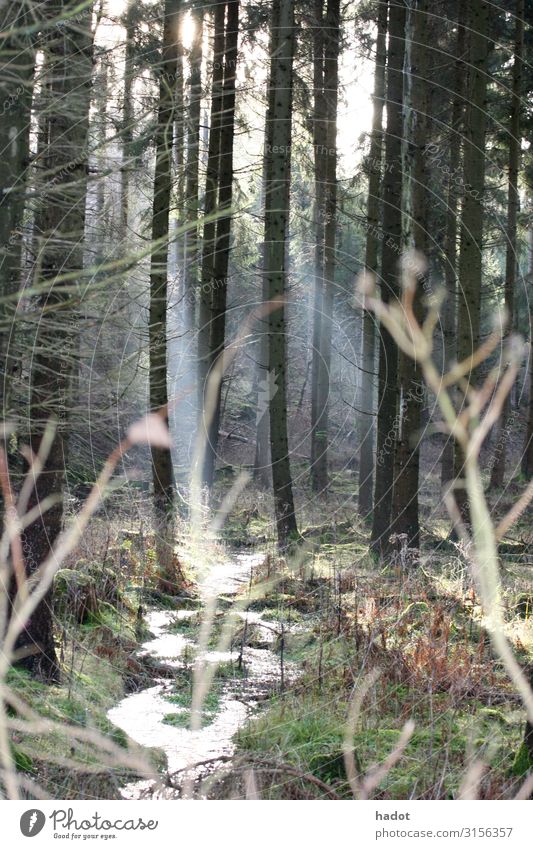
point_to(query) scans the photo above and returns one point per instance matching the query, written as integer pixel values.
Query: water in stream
(141, 714)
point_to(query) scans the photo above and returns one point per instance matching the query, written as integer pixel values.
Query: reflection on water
(141, 714)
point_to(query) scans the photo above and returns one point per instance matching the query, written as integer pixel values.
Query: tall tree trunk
(511, 259)
(162, 470)
(320, 166)
(127, 125)
(190, 271)
(210, 200)
(177, 246)
(328, 225)
(219, 282)
(276, 227)
(366, 420)
(262, 465)
(527, 451)
(60, 222)
(449, 314)
(405, 505)
(262, 476)
(391, 251)
(471, 246)
(17, 57)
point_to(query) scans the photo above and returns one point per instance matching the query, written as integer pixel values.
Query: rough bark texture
(527, 452)
(405, 509)
(391, 251)
(17, 58)
(127, 127)
(513, 200)
(319, 212)
(471, 246)
(190, 270)
(223, 229)
(210, 200)
(326, 233)
(366, 420)
(449, 313)
(162, 469)
(262, 465)
(60, 221)
(276, 224)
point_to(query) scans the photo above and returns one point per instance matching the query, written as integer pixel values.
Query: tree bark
(327, 226)
(262, 464)
(190, 271)
(375, 155)
(471, 244)
(319, 211)
(219, 282)
(513, 200)
(527, 451)
(162, 469)
(405, 508)
(390, 255)
(17, 55)
(60, 223)
(210, 200)
(127, 126)
(449, 315)
(276, 225)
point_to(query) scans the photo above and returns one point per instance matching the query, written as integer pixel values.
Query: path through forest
(245, 676)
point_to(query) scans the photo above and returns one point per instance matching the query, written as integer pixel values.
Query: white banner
(266, 825)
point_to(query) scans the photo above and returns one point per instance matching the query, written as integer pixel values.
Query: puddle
(258, 673)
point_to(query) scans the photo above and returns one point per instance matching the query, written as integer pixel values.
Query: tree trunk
(449, 313)
(391, 252)
(190, 271)
(276, 225)
(366, 420)
(60, 222)
(511, 258)
(219, 283)
(127, 126)
(262, 464)
(17, 55)
(405, 509)
(162, 470)
(471, 247)
(527, 452)
(210, 200)
(262, 476)
(320, 166)
(327, 223)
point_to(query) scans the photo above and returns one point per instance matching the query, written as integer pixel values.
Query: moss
(182, 718)
(523, 762)
(75, 595)
(159, 599)
(88, 690)
(119, 623)
(21, 760)
(189, 626)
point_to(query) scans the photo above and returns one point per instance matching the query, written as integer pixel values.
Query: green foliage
(21, 760)
(182, 719)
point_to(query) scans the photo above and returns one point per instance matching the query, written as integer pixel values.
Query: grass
(427, 635)
(182, 718)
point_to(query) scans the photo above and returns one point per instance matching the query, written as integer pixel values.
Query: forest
(266, 389)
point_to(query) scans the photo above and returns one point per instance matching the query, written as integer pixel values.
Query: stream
(258, 673)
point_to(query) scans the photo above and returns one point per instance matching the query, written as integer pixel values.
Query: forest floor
(277, 704)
